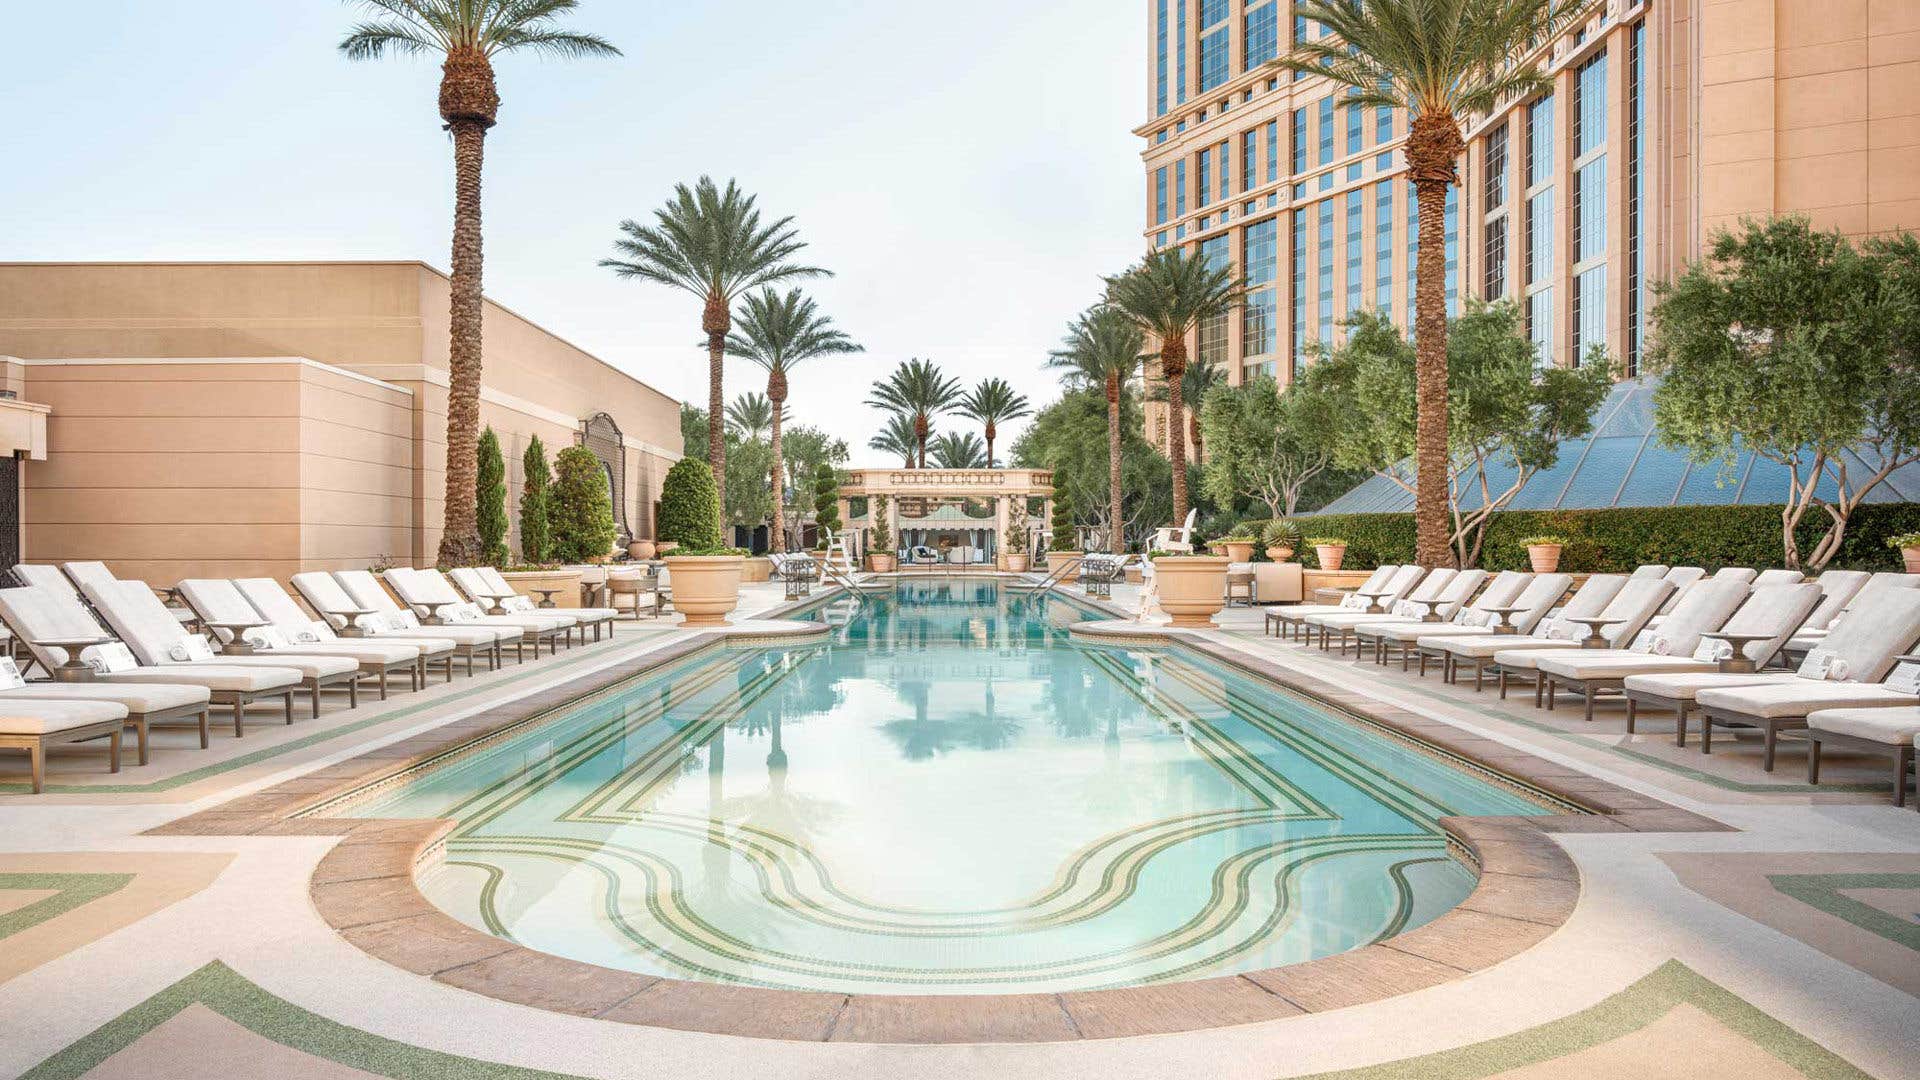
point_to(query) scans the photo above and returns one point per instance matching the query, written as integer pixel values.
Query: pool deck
(174, 919)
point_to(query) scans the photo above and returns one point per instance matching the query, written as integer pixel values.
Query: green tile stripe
(1823, 891)
(1626, 1012)
(223, 990)
(271, 752)
(72, 890)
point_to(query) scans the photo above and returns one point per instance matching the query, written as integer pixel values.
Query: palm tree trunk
(1116, 538)
(1432, 147)
(459, 533)
(716, 320)
(1173, 364)
(777, 393)
(920, 431)
(990, 435)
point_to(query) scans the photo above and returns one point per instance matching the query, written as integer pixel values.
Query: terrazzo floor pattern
(1748, 953)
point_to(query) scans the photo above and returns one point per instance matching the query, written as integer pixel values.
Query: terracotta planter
(642, 549)
(1191, 588)
(1238, 550)
(1017, 563)
(1279, 553)
(1330, 555)
(1544, 557)
(706, 588)
(882, 564)
(566, 584)
(756, 570)
(665, 547)
(1057, 559)
(1911, 556)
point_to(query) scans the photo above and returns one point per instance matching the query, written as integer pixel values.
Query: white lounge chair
(1612, 627)
(485, 586)
(86, 572)
(1442, 592)
(1843, 673)
(41, 617)
(1700, 633)
(35, 725)
(1178, 540)
(435, 601)
(242, 629)
(1376, 596)
(277, 607)
(1538, 622)
(1866, 593)
(140, 620)
(1890, 731)
(1500, 592)
(1280, 620)
(369, 608)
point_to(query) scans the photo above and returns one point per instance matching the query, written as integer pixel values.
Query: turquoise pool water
(947, 796)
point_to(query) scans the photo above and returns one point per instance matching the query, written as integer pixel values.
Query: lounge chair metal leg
(353, 690)
(113, 750)
(1813, 763)
(313, 696)
(1902, 764)
(383, 684)
(1680, 726)
(1706, 733)
(1587, 692)
(1633, 711)
(37, 766)
(239, 712)
(1769, 742)
(1503, 682)
(140, 738)
(1479, 677)
(1423, 665)
(206, 717)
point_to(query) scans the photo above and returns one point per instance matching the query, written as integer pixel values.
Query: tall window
(1260, 324)
(1356, 130)
(1494, 285)
(1589, 224)
(1297, 286)
(1273, 151)
(1636, 195)
(1225, 158)
(1326, 129)
(1324, 271)
(1299, 35)
(1160, 42)
(1180, 52)
(1539, 263)
(1262, 34)
(1203, 178)
(1216, 48)
(1356, 239)
(1249, 159)
(1213, 332)
(1383, 245)
(1299, 141)
(1382, 125)
(1180, 187)
(1160, 195)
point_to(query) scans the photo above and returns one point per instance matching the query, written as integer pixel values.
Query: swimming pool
(947, 795)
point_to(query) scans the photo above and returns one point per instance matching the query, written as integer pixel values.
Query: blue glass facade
(1356, 237)
(1260, 322)
(1262, 35)
(1323, 271)
(1383, 245)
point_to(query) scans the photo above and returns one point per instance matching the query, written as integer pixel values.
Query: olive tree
(1506, 417)
(1266, 444)
(1794, 345)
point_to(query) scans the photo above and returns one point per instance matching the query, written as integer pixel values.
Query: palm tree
(1440, 60)
(1199, 379)
(469, 34)
(1168, 295)
(778, 332)
(710, 242)
(918, 389)
(1104, 348)
(751, 414)
(959, 450)
(897, 437)
(991, 404)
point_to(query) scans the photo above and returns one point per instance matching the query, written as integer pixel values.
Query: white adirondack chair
(1180, 539)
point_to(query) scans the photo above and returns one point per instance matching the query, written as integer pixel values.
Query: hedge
(1600, 541)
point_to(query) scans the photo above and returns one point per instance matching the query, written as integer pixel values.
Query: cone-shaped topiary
(536, 493)
(1063, 531)
(689, 507)
(491, 515)
(583, 527)
(826, 500)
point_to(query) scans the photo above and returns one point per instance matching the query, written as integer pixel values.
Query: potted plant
(1544, 552)
(1015, 546)
(880, 557)
(705, 576)
(1283, 539)
(642, 550)
(1190, 588)
(1330, 550)
(1237, 542)
(1063, 547)
(1909, 546)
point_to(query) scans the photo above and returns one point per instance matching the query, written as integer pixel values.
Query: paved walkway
(1789, 947)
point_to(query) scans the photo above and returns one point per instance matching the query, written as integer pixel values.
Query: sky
(965, 169)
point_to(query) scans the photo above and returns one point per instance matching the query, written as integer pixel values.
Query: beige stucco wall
(370, 462)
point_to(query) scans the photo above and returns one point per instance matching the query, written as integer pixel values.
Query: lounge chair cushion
(309, 666)
(1484, 646)
(1607, 664)
(1685, 686)
(1897, 726)
(382, 651)
(1799, 697)
(28, 717)
(136, 697)
(216, 676)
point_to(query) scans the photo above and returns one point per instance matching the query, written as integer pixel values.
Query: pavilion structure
(957, 517)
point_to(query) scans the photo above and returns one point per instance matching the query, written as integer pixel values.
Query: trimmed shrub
(583, 526)
(536, 496)
(689, 506)
(1609, 541)
(826, 500)
(491, 513)
(1062, 526)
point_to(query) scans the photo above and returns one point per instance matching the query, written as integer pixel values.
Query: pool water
(949, 795)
